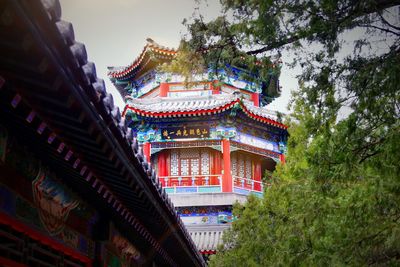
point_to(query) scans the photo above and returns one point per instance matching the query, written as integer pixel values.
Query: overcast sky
(115, 32)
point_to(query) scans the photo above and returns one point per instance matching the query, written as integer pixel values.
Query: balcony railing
(246, 186)
(196, 180)
(192, 184)
(209, 184)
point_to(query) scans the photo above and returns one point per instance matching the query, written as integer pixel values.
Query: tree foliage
(336, 201)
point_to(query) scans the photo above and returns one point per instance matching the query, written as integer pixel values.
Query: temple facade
(210, 141)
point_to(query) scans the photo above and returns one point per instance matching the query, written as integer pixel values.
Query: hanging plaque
(170, 133)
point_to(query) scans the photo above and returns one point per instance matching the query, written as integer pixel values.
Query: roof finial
(150, 41)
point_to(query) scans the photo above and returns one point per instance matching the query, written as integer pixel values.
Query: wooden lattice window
(241, 165)
(190, 162)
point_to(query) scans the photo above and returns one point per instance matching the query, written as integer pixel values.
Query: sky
(115, 32)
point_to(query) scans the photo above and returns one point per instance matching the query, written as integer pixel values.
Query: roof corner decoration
(151, 56)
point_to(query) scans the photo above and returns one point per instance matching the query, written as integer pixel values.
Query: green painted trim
(169, 190)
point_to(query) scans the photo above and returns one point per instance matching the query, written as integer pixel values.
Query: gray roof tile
(198, 103)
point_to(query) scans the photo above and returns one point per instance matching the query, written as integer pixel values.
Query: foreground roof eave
(67, 72)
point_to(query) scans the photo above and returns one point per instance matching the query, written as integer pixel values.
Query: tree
(337, 199)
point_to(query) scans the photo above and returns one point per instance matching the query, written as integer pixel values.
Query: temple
(210, 141)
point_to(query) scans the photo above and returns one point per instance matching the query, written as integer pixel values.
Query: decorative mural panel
(225, 132)
(256, 142)
(146, 136)
(128, 251)
(53, 201)
(38, 198)
(121, 250)
(68, 236)
(267, 153)
(206, 215)
(200, 219)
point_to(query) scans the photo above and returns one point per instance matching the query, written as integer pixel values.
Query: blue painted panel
(241, 191)
(186, 190)
(246, 192)
(210, 189)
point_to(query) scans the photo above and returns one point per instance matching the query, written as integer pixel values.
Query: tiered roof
(151, 53)
(154, 54)
(164, 107)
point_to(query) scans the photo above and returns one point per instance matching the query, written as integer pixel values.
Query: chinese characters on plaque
(185, 132)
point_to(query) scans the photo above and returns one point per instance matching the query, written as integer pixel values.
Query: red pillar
(257, 175)
(282, 158)
(164, 89)
(162, 166)
(227, 177)
(256, 99)
(215, 167)
(146, 151)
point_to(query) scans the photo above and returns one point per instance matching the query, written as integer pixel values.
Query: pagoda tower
(210, 143)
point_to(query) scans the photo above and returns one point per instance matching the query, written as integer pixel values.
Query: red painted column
(216, 167)
(227, 177)
(162, 164)
(168, 163)
(282, 158)
(162, 167)
(256, 99)
(164, 89)
(257, 175)
(146, 151)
